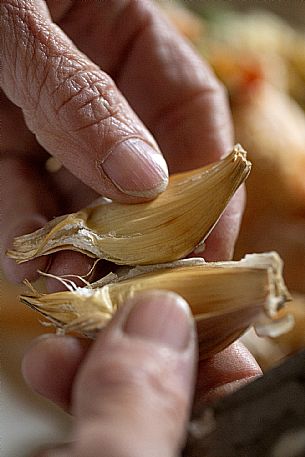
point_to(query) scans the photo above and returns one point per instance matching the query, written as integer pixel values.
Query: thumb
(74, 108)
(132, 395)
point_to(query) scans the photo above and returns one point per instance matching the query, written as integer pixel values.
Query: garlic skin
(226, 298)
(163, 230)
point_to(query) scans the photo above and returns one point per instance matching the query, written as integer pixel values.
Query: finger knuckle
(85, 99)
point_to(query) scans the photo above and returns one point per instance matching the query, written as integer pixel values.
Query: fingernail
(136, 168)
(38, 339)
(160, 317)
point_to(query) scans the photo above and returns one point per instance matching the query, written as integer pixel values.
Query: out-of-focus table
(27, 422)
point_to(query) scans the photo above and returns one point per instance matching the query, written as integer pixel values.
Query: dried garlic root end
(163, 230)
(226, 298)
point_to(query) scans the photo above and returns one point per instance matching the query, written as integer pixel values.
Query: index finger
(172, 89)
(74, 108)
(162, 76)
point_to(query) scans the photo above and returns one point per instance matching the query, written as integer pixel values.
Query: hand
(131, 391)
(75, 111)
(77, 114)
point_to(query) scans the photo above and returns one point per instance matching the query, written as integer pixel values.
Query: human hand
(131, 391)
(78, 115)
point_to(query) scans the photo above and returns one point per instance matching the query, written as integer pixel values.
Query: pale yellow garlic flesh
(163, 230)
(226, 298)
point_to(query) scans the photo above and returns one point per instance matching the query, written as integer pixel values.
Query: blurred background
(293, 11)
(27, 422)
(257, 49)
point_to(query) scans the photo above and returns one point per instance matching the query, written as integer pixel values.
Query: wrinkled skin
(126, 74)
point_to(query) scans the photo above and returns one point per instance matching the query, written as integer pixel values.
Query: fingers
(220, 244)
(118, 381)
(22, 211)
(169, 86)
(165, 81)
(74, 108)
(29, 203)
(225, 372)
(74, 195)
(12, 122)
(135, 383)
(26, 207)
(68, 263)
(217, 376)
(50, 364)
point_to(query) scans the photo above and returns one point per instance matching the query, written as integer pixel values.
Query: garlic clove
(226, 298)
(165, 229)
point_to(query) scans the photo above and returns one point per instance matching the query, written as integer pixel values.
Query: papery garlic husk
(226, 298)
(165, 229)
